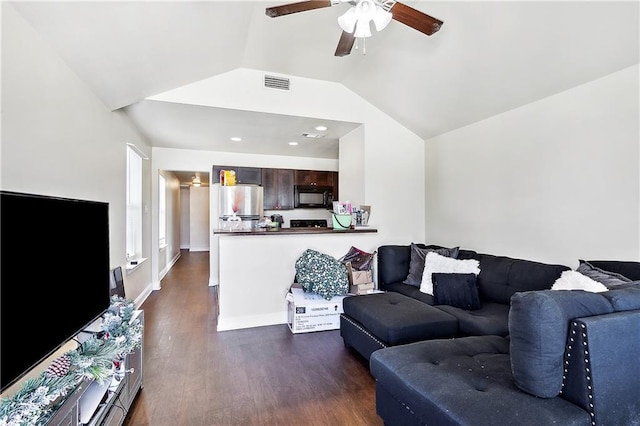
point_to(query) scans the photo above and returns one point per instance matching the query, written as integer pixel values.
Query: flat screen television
(54, 275)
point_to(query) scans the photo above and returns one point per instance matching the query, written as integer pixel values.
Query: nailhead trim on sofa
(363, 330)
(575, 330)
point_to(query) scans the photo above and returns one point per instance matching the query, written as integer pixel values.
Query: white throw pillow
(574, 280)
(435, 263)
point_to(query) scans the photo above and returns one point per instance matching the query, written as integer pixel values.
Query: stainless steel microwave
(313, 197)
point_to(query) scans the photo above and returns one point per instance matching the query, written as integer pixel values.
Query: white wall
(557, 180)
(352, 173)
(169, 254)
(59, 139)
(199, 233)
(184, 218)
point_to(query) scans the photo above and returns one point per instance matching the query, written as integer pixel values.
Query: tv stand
(93, 404)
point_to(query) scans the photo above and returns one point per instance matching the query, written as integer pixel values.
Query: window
(162, 211)
(134, 204)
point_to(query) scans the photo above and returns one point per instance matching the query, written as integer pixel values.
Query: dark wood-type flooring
(195, 375)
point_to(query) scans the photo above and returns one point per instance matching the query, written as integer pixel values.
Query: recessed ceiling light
(293, 143)
(321, 128)
(236, 139)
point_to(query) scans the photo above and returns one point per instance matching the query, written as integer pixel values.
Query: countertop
(294, 231)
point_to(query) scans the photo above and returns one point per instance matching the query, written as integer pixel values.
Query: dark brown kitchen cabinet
(315, 177)
(278, 189)
(244, 175)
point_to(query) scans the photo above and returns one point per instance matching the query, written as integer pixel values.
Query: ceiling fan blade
(415, 19)
(300, 6)
(345, 44)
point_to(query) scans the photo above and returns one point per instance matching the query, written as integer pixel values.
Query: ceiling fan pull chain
(364, 46)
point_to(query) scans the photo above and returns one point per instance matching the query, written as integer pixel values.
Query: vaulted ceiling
(489, 57)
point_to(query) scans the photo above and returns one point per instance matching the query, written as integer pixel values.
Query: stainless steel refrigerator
(239, 207)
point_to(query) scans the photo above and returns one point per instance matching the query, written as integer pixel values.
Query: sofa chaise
(571, 359)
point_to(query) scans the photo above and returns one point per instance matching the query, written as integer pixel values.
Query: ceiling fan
(355, 23)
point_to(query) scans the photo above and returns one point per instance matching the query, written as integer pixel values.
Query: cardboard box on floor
(359, 289)
(309, 312)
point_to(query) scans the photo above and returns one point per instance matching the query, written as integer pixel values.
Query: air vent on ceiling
(273, 82)
(313, 135)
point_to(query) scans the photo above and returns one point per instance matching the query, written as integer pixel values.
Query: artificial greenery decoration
(95, 359)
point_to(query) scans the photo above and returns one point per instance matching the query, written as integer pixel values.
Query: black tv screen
(54, 275)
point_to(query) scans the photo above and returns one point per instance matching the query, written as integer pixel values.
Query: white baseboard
(249, 321)
(169, 265)
(143, 296)
(201, 248)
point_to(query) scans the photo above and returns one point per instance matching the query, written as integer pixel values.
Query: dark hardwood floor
(195, 375)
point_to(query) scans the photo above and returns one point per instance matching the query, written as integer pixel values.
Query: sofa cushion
(538, 328)
(416, 264)
(491, 318)
(393, 263)
(411, 291)
(500, 277)
(464, 381)
(435, 263)
(607, 278)
(459, 290)
(397, 319)
(625, 299)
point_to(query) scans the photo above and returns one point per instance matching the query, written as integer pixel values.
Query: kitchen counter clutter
(294, 231)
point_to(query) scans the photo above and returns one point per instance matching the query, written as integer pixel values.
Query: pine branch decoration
(38, 398)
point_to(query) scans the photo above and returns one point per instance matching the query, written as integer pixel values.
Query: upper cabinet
(278, 189)
(318, 178)
(279, 184)
(244, 175)
(315, 177)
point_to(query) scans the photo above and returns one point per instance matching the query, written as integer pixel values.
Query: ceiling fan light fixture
(358, 18)
(381, 18)
(363, 29)
(348, 20)
(365, 13)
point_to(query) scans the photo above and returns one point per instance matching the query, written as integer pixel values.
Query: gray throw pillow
(609, 279)
(416, 265)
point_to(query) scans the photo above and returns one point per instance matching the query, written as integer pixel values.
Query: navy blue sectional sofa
(562, 358)
(404, 314)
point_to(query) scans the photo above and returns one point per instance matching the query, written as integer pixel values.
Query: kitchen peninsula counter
(254, 274)
(293, 231)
